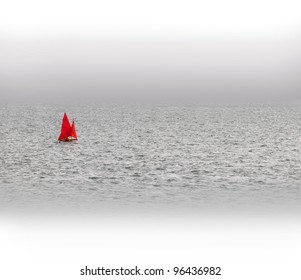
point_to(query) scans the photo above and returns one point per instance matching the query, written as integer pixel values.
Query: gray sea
(192, 155)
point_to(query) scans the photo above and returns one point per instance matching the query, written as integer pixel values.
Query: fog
(194, 52)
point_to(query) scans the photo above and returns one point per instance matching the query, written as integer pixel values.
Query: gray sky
(95, 51)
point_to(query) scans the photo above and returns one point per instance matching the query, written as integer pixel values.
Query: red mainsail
(66, 128)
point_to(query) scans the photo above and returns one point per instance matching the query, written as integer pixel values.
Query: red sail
(66, 128)
(73, 132)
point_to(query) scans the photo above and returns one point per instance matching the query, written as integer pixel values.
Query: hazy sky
(95, 50)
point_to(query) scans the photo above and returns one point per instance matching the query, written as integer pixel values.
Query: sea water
(200, 155)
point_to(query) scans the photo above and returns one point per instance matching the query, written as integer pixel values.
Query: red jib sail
(73, 132)
(66, 128)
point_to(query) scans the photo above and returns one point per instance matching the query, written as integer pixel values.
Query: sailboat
(68, 132)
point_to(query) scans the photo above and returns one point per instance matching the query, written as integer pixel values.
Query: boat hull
(68, 140)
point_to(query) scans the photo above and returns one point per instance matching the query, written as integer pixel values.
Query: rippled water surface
(194, 155)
